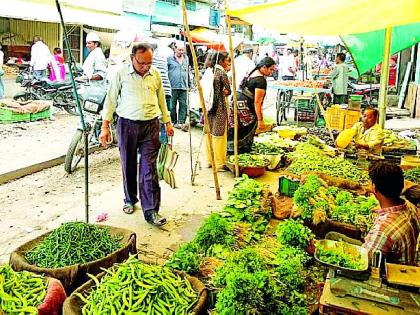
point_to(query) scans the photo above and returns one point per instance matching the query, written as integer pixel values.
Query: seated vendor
(369, 135)
(396, 227)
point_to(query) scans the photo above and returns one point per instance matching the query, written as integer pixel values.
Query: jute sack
(73, 304)
(73, 276)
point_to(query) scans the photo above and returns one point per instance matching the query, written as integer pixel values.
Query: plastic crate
(45, 114)
(335, 118)
(287, 187)
(352, 117)
(8, 116)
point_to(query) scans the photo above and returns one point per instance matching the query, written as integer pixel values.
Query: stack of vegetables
(340, 255)
(316, 202)
(253, 270)
(250, 160)
(273, 143)
(139, 288)
(308, 158)
(321, 133)
(391, 139)
(21, 292)
(413, 175)
(73, 243)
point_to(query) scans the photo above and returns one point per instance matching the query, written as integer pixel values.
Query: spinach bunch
(339, 255)
(291, 269)
(187, 258)
(293, 233)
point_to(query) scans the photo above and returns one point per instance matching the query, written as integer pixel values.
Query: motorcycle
(92, 105)
(61, 93)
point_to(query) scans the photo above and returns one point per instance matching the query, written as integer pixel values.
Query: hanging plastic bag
(208, 89)
(166, 162)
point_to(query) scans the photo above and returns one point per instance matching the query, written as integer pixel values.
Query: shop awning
(330, 17)
(213, 40)
(46, 11)
(367, 48)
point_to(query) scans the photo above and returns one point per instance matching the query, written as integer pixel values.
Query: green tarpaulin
(367, 48)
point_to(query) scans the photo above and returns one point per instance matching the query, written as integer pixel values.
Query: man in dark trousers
(136, 94)
(179, 78)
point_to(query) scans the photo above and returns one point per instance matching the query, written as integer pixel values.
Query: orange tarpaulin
(212, 39)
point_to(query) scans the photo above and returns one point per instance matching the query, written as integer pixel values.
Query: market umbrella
(332, 17)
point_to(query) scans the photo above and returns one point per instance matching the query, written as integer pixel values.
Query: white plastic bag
(208, 89)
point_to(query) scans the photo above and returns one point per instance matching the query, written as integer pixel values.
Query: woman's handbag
(166, 162)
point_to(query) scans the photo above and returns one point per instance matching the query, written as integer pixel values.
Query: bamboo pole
(384, 76)
(235, 99)
(200, 92)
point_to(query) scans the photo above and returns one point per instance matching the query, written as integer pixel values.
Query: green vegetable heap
(73, 243)
(307, 159)
(213, 238)
(21, 292)
(317, 202)
(250, 160)
(293, 233)
(340, 255)
(272, 142)
(250, 285)
(137, 288)
(413, 175)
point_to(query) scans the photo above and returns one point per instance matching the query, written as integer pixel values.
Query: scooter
(92, 104)
(61, 93)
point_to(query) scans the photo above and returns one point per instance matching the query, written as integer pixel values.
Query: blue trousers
(140, 137)
(179, 97)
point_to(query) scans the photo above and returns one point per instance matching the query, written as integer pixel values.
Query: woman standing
(250, 106)
(218, 114)
(57, 69)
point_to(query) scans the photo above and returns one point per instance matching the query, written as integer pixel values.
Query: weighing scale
(349, 291)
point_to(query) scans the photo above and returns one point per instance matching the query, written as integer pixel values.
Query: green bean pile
(21, 292)
(137, 288)
(313, 161)
(413, 175)
(73, 243)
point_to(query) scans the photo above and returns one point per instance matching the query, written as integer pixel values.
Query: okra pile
(21, 292)
(139, 288)
(73, 243)
(413, 175)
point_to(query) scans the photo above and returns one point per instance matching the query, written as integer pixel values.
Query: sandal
(128, 208)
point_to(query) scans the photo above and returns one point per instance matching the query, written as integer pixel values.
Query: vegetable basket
(73, 276)
(251, 171)
(351, 249)
(73, 304)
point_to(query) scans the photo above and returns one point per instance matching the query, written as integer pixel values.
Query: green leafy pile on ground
(316, 202)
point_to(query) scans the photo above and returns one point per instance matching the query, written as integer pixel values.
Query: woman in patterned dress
(218, 114)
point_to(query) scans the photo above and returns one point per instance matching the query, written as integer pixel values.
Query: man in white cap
(94, 66)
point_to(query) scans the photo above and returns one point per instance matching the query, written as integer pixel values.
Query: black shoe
(155, 219)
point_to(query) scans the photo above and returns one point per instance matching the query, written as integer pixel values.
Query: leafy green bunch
(339, 255)
(304, 193)
(213, 238)
(293, 233)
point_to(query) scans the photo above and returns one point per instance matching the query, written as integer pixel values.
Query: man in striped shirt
(161, 63)
(396, 227)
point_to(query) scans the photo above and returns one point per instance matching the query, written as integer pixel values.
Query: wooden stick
(200, 92)
(235, 99)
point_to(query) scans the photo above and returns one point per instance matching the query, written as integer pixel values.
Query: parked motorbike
(92, 105)
(60, 92)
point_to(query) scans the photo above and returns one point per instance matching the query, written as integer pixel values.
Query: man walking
(139, 89)
(340, 79)
(178, 73)
(288, 66)
(243, 66)
(40, 58)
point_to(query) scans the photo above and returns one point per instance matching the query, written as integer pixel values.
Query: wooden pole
(384, 77)
(200, 92)
(235, 99)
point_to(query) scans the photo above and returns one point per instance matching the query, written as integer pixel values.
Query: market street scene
(226, 157)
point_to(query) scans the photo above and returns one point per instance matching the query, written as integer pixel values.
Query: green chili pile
(413, 175)
(21, 292)
(138, 288)
(73, 243)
